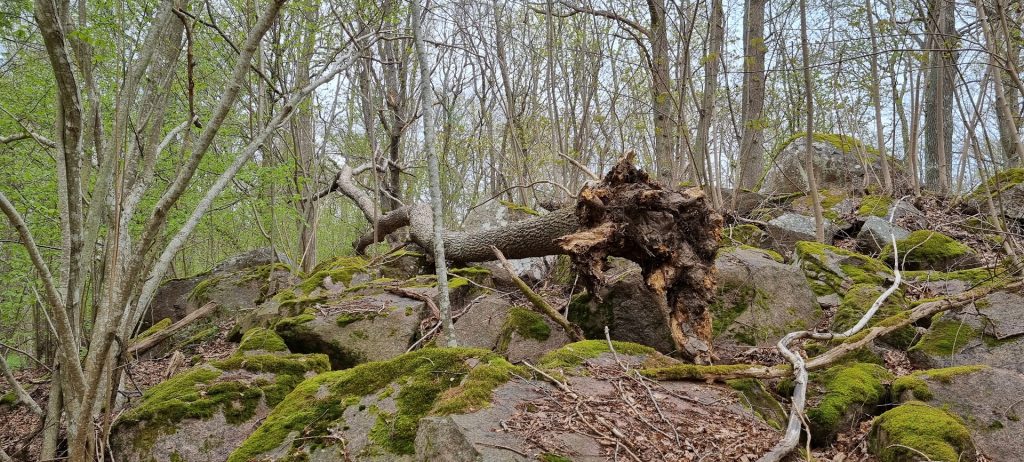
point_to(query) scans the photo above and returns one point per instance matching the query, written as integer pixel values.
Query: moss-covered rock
(745, 234)
(205, 412)
(839, 397)
(874, 205)
(859, 299)
(916, 431)
(575, 354)
(839, 162)
(157, 327)
(931, 250)
(758, 300)
(761, 401)
(1006, 189)
(259, 338)
(832, 270)
(375, 408)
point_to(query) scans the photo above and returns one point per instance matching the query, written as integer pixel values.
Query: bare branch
(20, 392)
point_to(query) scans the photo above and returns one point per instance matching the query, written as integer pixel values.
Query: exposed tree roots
(672, 235)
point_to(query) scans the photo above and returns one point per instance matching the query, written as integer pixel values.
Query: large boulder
(931, 250)
(785, 231)
(206, 412)
(917, 432)
(833, 270)
(239, 282)
(626, 306)
(516, 332)
(840, 162)
(876, 233)
(759, 300)
(989, 331)
(373, 411)
(1006, 190)
(986, 399)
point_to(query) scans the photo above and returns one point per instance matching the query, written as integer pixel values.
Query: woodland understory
(613, 230)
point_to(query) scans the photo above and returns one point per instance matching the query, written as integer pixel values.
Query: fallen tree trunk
(672, 235)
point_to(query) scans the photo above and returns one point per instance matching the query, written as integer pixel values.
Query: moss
(552, 457)
(200, 293)
(8, 398)
(345, 319)
(845, 389)
(340, 270)
(729, 304)
(934, 432)
(201, 336)
(760, 401)
(259, 338)
(159, 326)
(874, 206)
(859, 299)
(846, 144)
(925, 248)
(838, 269)
(973, 276)
(290, 364)
(528, 324)
(423, 377)
(999, 182)
(745, 234)
(914, 384)
(263, 272)
(574, 354)
(945, 337)
(292, 322)
(946, 374)
(514, 207)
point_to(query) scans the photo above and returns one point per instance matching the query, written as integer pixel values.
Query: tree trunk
(661, 94)
(672, 235)
(751, 144)
(939, 97)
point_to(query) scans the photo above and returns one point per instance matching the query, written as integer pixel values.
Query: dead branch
(145, 344)
(543, 306)
(20, 392)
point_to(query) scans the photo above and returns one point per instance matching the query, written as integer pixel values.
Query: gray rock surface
(759, 301)
(835, 168)
(876, 233)
(785, 231)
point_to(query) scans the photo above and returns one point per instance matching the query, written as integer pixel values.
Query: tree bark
(939, 96)
(751, 163)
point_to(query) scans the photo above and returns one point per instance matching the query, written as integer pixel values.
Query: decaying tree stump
(672, 235)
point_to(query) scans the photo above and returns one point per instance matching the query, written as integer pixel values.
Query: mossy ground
(923, 248)
(842, 391)
(431, 380)
(915, 426)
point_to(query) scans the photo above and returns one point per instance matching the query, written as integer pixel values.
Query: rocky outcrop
(876, 233)
(206, 412)
(987, 401)
(832, 270)
(990, 332)
(785, 231)
(516, 332)
(840, 162)
(931, 250)
(1005, 190)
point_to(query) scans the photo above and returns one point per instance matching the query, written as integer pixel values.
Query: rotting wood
(672, 235)
(153, 340)
(572, 330)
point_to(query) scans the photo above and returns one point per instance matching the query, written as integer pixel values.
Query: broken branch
(153, 340)
(543, 306)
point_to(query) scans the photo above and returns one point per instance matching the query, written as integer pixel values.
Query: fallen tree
(672, 235)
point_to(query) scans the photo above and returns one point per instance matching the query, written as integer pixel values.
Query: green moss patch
(924, 248)
(833, 270)
(845, 392)
(526, 323)
(514, 207)
(874, 206)
(760, 401)
(340, 270)
(770, 253)
(259, 338)
(693, 371)
(999, 182)
(905, 432)
(438, 380)
(745, 234)
(946, 337)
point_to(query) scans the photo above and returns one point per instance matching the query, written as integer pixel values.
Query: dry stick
(572, 331)
(20, 392)
(155, 339)
(791, 438)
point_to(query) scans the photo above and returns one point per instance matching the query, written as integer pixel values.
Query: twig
(434, 310)
(20, 392)
(561, 385)
(571, 330)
